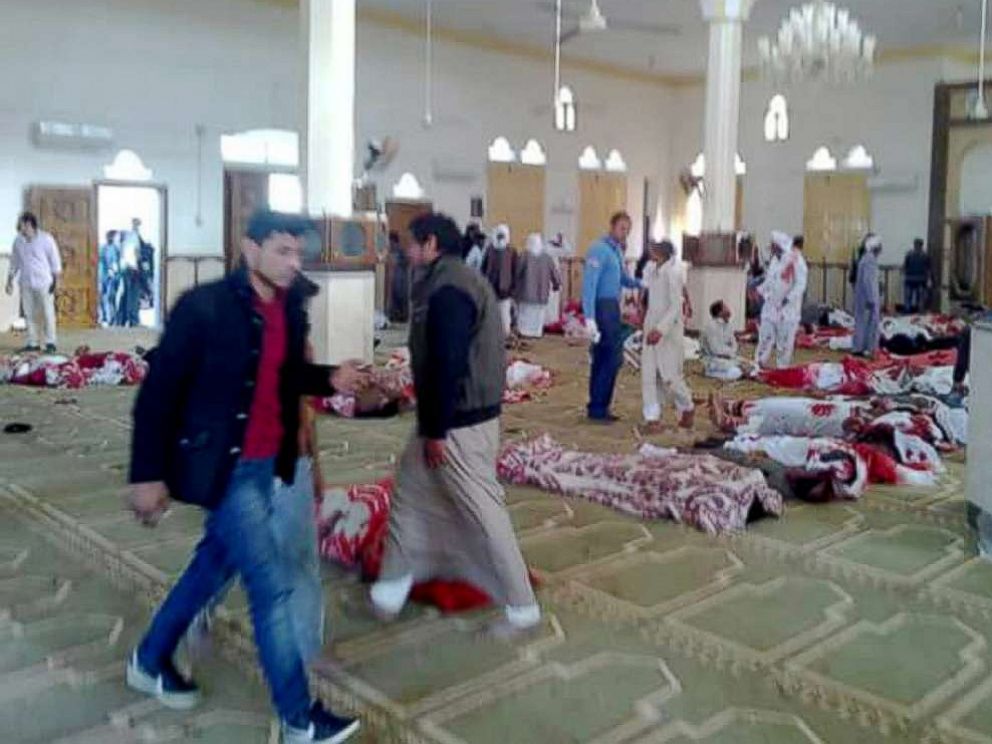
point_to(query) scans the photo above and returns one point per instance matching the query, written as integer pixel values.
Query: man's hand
(149, 502)
(592, 331)
(434, 453)
(653, 338)
(351, 377)
(51, 289)
(10, 286)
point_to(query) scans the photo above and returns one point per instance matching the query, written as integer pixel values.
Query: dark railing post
(823, 281)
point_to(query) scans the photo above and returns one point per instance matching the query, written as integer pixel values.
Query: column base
(707, 284)
(342, 316)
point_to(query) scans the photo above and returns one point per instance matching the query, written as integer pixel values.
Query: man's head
(799, 242)
(918, 245)
(111, 237)
(719, 310)
(433, 235)
(780, 243)
(27, 225)
(273, 247)
(662, 251)
(136, 224)
(620, 227)
(873, 243)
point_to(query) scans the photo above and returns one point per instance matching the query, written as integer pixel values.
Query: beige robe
(661, 364)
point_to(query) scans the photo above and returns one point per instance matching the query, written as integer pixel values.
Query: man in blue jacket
(604, 277)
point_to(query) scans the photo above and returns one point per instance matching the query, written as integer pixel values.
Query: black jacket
(191, 413)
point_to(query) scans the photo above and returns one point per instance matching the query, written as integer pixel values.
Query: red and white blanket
(887, 374)
(703, 491)
(392, 385)
(351, 530)
(83, 369)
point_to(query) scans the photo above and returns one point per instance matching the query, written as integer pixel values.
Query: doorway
(601, 195)
(249, 189)
(132, 240)
(836, 215)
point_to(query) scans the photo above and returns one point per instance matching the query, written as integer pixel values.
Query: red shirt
(264, 432)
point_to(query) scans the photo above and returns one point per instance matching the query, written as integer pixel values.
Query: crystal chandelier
(818, 41)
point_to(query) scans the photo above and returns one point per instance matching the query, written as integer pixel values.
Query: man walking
(603, 277)
(663, 356)
(215, 423)
(782, 290)
(35, 262)
(448, 517)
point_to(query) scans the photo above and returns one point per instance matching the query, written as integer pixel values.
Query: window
(698, 167)
(285, 193)
(777, 120)
(127, 166)
(501, 152)
(615, 162)
(589, 160)
(565, 118)
(279, 147)
(859, 159)
(822, 160)
(533, 153)
(408, 187)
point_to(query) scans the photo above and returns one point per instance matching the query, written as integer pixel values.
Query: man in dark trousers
(916, 278)
(603, 278)
(215, 423)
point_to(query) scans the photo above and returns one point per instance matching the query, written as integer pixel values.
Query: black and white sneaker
(169, 687)
(323, 726)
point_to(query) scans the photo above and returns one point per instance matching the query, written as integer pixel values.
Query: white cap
(782, 240)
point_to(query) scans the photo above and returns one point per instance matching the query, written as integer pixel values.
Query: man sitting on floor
(719, 345)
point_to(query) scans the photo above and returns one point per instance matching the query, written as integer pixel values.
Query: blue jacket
(604, 275)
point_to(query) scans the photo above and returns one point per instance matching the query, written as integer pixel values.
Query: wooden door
(836, 214)
(515, 196)
(601, 195)
(67, 213)
(400, 213)
(244, 192)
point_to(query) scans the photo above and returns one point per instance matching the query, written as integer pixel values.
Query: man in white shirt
(719, 345)
(782, 290)
(36, 264)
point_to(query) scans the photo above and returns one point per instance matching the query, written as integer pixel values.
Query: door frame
(163, 191)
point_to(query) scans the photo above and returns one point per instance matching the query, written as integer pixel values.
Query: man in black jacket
(448, 516)
(216, 419)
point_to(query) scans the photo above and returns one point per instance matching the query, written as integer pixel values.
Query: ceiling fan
(593, 21)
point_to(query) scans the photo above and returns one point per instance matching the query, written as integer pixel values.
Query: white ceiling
(896, 23)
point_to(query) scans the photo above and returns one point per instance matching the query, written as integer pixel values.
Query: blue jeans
(607, 358)
(239, 538)
(294, 526)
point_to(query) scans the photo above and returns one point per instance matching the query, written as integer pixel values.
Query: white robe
(661, 364)
(783, 290)
(719, 349)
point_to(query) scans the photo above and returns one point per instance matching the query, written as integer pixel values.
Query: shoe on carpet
(169, 687)
(50, 348)
(603, 420)
(323, 726)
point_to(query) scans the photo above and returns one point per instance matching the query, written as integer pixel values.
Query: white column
(328, 141)
(342, 315)
(723, 95)
(979, 466)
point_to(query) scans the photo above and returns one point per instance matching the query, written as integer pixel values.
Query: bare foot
(651, 428)
(687, 419)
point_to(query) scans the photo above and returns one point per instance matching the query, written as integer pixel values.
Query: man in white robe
(719, 345)
(664, 339)
(782, 291)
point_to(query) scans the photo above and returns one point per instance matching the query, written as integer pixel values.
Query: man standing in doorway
(215, 423)
(916, 278)
(603, 278)
(35, 262)
(448, 517)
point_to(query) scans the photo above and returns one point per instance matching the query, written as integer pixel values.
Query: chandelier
(818, 41)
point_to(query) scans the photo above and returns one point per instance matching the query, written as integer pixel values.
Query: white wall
(891, 115)
(153, 71)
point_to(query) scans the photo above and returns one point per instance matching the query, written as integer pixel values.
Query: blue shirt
(604, 275)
